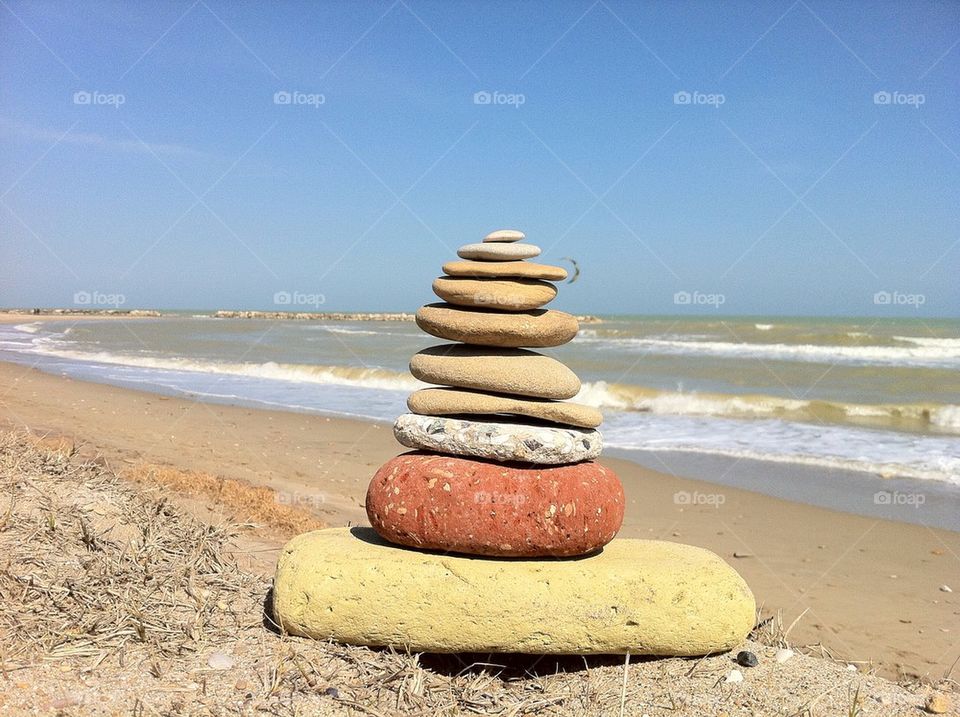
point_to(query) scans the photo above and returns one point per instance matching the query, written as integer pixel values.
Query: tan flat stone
(452, 401)
(536, 329)
(644, 597)
(496, 294)
(505, 235)
(499, 370)
(498, 251)
(505, 269)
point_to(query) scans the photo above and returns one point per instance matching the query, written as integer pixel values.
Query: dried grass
(113, 598)
(256, 504)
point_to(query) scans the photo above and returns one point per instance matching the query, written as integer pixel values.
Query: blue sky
(785, 185)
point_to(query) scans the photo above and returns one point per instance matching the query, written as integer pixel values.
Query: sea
(861, 415)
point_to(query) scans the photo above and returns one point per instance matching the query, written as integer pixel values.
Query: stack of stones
(503, 469)
(504, 464)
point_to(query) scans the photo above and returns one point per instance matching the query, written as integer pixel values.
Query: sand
(867, 590)
(119, 599)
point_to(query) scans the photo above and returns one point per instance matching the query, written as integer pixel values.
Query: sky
(760, 158)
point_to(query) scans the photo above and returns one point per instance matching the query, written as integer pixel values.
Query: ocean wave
(367, 377)
(949, 344)
(931, 353)
(949, 473)
(911, 416)
(342, 330)
(763, 327)
(941, 418)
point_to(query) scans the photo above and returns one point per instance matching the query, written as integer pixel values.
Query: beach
(870, 591)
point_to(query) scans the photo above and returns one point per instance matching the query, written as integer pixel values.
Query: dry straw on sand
(116, 600)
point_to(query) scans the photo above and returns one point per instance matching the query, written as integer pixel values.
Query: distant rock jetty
(373, 316)
(224, 314)
(134, 313)
(304, 316)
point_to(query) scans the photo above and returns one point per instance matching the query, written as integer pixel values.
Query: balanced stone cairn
(526, 485)
(503, 468)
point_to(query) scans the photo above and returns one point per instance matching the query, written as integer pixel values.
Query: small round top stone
(505, 235)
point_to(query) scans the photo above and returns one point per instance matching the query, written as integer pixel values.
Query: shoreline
(867, 491)
(866, 589)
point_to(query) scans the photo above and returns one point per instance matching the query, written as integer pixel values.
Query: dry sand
(117, 599)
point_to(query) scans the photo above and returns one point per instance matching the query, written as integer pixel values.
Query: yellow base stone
(640, 596)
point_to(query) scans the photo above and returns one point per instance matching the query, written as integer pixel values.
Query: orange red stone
(463, 505)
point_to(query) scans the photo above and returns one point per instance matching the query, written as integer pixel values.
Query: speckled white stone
(542, 445)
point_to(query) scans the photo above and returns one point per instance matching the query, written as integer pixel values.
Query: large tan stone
(453, 401)
(500, 370)
(535, 329)
(639, 596)
(518, 269)
(496, 294)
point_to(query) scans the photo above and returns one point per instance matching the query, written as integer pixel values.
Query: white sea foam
(763, 327)
(367, 377)
(929, 342)
(943, 353)
(886, 454)
(947, 417)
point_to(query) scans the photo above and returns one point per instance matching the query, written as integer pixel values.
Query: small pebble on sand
(945, 589)
(937, 704)
(745, 658)
(220, 661)
(734, 676)
(783, 655)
